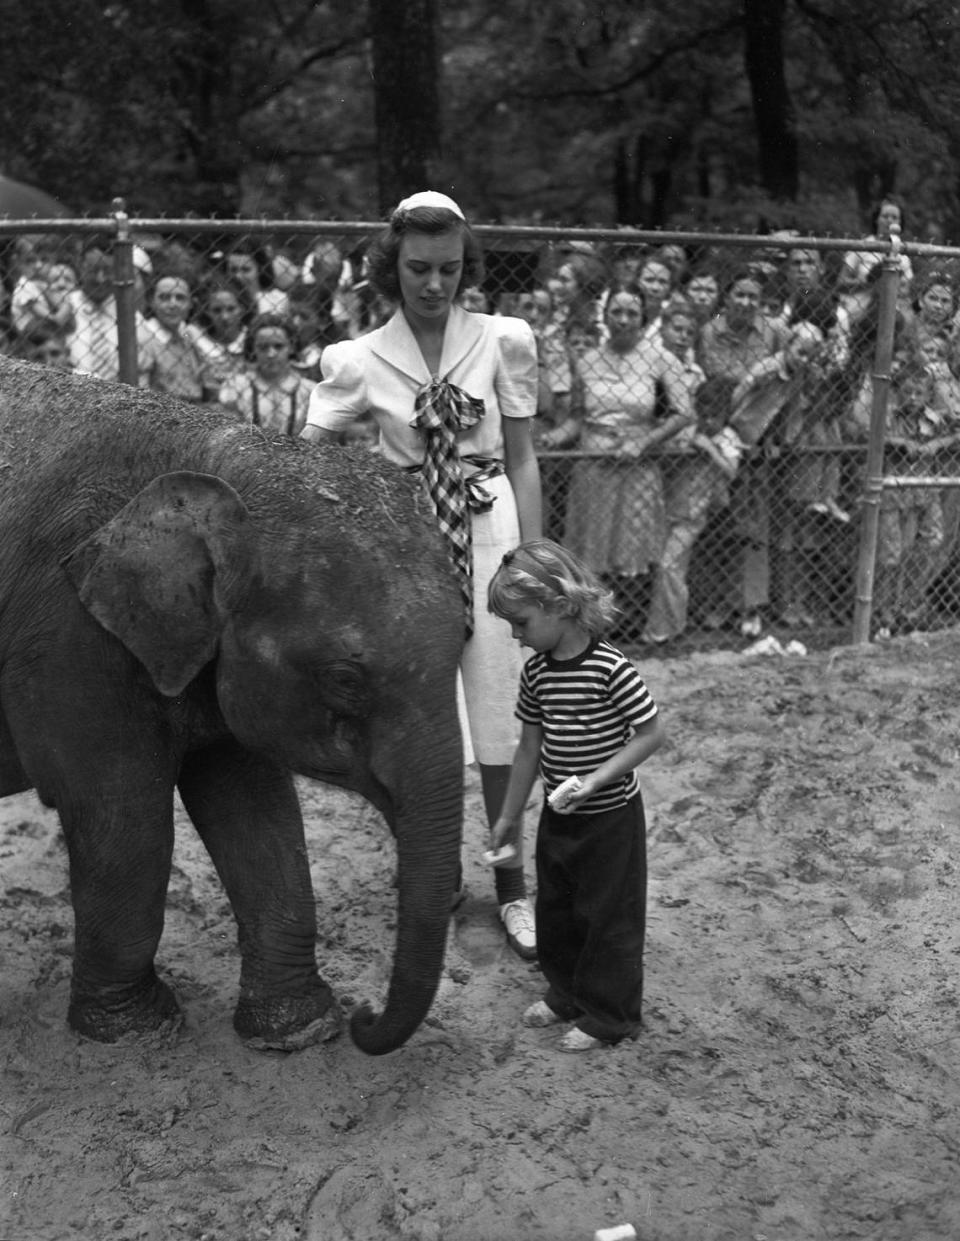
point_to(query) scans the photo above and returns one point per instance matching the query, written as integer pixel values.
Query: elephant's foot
(108, 1016)
(290, 1024)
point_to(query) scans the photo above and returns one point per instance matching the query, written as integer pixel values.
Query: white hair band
(429, 198)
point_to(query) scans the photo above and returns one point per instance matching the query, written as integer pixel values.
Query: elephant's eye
(344, 686)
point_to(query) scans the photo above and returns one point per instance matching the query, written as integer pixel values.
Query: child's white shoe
(577, 1040)
(541, 1014)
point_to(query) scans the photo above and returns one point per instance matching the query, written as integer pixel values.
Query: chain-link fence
(741, 434)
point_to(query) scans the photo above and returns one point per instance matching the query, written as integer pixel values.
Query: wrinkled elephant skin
(189, 604)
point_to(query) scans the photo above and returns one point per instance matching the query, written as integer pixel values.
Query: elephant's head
(334, 630)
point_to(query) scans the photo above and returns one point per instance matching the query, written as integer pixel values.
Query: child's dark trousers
(591, 916)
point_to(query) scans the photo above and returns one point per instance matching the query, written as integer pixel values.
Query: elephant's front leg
(120, 844)
(248, 815)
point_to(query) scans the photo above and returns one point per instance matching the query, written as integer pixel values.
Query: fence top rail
(12, 228)
(135, 226)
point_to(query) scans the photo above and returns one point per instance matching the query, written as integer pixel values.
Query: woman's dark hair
(219, 282)
(270, 321)
(878, 207)
(384, 252)
(252, 248)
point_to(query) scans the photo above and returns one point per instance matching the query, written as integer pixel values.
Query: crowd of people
(701, 418)
(703, 425)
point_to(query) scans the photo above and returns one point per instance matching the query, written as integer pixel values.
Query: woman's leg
(516, 912)
(490, 668)
(509, 879)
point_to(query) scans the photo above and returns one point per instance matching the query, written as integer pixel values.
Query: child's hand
(588, 786)
(500, 852)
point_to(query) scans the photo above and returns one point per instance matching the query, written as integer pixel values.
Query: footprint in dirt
(351, 1203)
(478, 935)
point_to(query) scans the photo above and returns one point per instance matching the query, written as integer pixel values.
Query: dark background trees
(721, 113)
(406, 65)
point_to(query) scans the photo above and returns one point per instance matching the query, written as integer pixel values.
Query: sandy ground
(797, 1077)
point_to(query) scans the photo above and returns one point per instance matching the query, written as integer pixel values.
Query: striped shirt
(588, 708)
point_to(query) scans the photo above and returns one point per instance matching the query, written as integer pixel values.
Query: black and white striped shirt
(588, 708)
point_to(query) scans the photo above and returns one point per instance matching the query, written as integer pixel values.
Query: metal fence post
(873, 481)
(124, 283)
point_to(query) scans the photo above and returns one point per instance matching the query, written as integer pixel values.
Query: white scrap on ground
(773, 646)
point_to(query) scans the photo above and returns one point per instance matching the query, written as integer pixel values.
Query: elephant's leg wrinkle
(246, 811)
(119, 871)
(108, 1015)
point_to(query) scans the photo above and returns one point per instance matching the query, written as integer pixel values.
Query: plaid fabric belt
(479, 500)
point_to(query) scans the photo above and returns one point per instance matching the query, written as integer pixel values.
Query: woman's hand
(554, 439)
(636, 443)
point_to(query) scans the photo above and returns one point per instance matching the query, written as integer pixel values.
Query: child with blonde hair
(584, 713)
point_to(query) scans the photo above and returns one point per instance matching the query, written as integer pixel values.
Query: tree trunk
(872, 179)
(629, 168)
(661, 185)
(206, 98)
(772, 108)
(406, 96)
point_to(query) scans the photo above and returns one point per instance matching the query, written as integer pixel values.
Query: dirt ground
(797, 1077)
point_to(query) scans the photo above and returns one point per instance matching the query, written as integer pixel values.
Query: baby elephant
(187, 603)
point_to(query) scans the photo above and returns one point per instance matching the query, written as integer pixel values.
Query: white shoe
(541, 1014)
(518, 922)
(577, 1040)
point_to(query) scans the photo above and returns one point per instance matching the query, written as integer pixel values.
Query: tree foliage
(642, 112)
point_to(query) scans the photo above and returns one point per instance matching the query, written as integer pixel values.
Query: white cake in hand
(560, 797)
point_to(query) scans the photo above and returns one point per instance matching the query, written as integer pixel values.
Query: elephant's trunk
(428, 831)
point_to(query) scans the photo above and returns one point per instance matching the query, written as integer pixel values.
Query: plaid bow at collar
(441, 410)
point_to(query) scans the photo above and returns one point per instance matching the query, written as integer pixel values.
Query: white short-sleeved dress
(490, 357)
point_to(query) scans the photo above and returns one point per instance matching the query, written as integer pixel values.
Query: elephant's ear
(156, 574)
